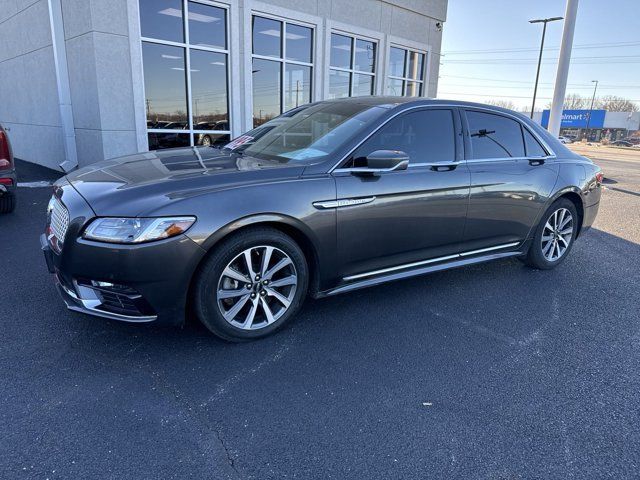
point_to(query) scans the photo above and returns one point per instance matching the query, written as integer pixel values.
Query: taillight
(6, 157)
(599, 177)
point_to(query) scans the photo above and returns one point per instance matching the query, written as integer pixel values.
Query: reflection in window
(162, 19)
(352, 66)
(168, 140)
(167, 82)
(266, 90)
(297, 85)
(341, 51)
(394, 87)
(494, 136)
(281, 73)
(365, 56)
(209, 98)
(338, 84)
(298, 40)
(362, 85)
(207, 26)
(267, 37)
(164, 84)
(406, 72)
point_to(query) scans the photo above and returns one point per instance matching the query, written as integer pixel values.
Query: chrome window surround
(544, 144)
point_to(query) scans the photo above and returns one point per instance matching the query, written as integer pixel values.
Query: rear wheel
(7, 203)
(251, 285)
(554, 236)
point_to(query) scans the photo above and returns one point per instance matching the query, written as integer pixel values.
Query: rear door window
(534, 149)
(494, 136)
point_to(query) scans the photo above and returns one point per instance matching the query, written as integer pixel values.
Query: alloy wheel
(257, 287)
(556, 235)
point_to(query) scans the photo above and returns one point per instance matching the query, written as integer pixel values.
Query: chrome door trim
(343, 202)
(431, 260)
(545, 145)
(489, 249)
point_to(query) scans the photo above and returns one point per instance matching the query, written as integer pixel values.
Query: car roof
(394, 101)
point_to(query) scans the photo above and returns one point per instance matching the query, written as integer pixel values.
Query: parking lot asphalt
(494, 371)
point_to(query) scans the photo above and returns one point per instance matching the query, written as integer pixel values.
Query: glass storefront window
(164, 84)
(282, 69)
(162, 19)
(352, 66)
(339, 84)
(406, 72)
(193, 66)
(266, 90)
(207, 26)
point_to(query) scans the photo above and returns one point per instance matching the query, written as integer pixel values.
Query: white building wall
(28, 88)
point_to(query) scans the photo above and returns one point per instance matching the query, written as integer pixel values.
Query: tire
(7, 203)
(551, 251)
(222, 284)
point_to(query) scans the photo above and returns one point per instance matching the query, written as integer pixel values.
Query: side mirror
(382, 161)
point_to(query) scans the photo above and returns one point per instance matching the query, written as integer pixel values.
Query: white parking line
(34, 184)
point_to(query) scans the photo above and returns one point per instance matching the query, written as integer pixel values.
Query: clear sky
(491, 50)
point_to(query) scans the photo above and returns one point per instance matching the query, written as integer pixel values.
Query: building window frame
(282, 59)
(408, 46)
(187, 47)
(349, 30)
(352, 71)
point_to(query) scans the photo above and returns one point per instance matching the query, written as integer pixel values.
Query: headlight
(136, 230)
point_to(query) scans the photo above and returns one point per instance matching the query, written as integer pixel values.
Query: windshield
(313, 134)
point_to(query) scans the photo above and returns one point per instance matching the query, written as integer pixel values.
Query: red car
(8, 177)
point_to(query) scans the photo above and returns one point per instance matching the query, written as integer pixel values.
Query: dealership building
(85, 80)
(595, 125)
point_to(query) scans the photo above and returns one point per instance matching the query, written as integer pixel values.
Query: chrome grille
(59, 219)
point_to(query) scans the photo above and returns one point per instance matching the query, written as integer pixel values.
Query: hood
(140, 184)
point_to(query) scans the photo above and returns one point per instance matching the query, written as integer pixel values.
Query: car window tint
(534, 149)
(426, 136)
(494, 136)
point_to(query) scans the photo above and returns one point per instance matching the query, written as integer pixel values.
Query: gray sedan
(342, 195)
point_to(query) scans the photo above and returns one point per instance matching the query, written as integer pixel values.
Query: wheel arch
(290, 226)
(572, 194)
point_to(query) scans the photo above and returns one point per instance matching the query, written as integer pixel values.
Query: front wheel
(251, 285)
(554, 236)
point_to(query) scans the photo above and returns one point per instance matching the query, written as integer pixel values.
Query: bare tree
(613, 103)
(502, 103)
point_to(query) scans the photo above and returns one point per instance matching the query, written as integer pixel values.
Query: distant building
(601, 123)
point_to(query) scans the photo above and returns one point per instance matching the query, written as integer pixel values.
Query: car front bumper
(133, 283)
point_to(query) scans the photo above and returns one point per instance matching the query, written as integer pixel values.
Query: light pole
(591, 108)
(544, 31)
(564, 59)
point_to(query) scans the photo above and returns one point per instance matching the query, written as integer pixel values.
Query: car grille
(59, 221)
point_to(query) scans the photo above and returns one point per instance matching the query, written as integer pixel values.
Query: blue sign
(577, 118)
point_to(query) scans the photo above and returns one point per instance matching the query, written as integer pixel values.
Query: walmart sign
(577, 118)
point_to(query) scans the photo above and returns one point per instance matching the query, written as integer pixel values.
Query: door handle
(536, 161)
(443, 167)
